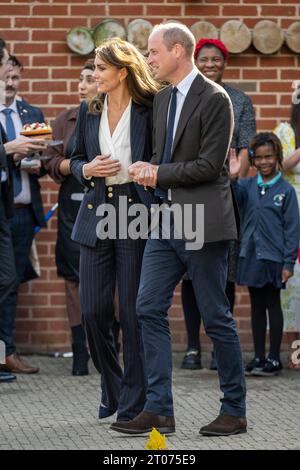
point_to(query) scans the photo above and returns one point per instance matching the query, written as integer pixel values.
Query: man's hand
(144, 173)
(285, 275)
(102, 166)
(22, 146)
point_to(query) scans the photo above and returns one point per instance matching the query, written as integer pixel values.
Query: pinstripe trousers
(112, 261)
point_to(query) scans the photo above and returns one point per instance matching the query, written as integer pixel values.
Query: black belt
(21, 206)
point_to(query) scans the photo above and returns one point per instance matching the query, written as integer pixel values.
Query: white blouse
(116, 145)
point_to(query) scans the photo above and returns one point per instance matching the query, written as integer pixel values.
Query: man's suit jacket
(88, 147)
(6, 192)
(197, 173)
(3, 157)
(28, 114)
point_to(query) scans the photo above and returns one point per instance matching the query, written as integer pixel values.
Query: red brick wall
(36, 31)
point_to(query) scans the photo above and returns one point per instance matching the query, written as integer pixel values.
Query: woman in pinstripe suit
(112, 132)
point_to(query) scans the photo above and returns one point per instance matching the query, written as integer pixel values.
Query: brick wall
(35, 32)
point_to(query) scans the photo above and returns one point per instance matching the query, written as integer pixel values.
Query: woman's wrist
(85, 172)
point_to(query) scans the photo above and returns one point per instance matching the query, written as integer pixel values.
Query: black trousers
(7, 260)
(22, 233)
(266, 299)
(111, 261)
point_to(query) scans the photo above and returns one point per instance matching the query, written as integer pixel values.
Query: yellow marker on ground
(156, 441)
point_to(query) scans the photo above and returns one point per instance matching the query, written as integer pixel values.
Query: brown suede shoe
(18, 366)
(225, 425)
(144, 423)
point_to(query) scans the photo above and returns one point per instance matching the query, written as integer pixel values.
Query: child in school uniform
(269, 245)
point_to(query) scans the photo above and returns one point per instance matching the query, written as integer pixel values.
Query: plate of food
(37, 130)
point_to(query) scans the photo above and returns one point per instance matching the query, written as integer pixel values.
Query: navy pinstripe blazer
(87, 148)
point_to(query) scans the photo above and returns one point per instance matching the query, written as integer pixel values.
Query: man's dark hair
(2, 47)
(15, 62)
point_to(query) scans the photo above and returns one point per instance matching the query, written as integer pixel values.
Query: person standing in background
(71, 193)
(27, 208)
(7, 272)
(289, 135)
(270, 232)
(211, 57)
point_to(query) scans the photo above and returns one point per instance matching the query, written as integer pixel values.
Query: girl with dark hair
(289, 135)
(269, 245)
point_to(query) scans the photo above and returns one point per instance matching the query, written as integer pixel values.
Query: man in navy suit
(26, 206)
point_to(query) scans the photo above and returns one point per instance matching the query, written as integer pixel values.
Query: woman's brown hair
(141, 85)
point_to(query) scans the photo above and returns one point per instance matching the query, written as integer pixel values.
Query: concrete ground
(53, 410)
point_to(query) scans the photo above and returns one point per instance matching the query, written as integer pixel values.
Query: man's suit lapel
(138, 124)
(7, 161)
(191, 102)
(23, 113)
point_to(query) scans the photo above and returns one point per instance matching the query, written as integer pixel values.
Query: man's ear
(179, 51)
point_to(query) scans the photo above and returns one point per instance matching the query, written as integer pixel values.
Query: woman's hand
(102, 166)
(285, 275)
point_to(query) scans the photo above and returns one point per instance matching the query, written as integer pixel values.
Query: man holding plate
(27, 203)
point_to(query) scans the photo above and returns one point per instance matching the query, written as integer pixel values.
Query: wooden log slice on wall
(138, 32)
(292, 37)
(204, 29)
(267, 37)
(236, 36)
(108, 29)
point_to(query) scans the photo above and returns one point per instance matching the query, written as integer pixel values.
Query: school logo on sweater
(278, 199)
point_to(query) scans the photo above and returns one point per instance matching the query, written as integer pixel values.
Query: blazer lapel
(93, 130)
(191, 102)
(161, 125)
(137, 132)
(23, 113)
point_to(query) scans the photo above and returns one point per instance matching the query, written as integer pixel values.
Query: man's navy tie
(166, 158)
(11, 135)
